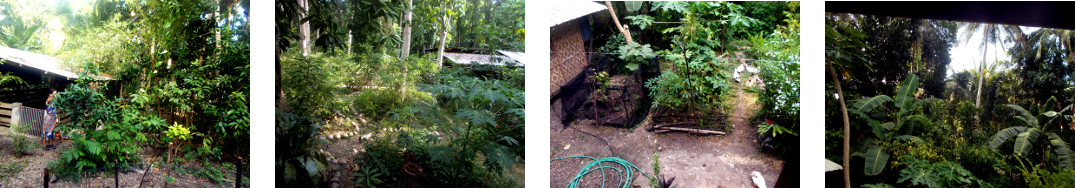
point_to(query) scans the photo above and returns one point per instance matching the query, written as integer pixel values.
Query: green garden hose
(624, 175)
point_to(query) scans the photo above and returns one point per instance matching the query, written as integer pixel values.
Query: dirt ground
(32, 174)
(694, 161)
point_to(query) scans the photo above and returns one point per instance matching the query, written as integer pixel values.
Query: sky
(967, 55)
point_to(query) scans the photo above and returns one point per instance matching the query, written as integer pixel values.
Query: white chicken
(758, 180)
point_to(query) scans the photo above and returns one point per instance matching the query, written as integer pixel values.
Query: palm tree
(1063, 37)
(992, 34)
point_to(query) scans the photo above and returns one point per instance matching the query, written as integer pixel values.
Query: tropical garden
(901, 112)
(162, 96)
(671, 81)
(366, 95)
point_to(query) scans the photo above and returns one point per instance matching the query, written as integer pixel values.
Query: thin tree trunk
(443, 40)
(304, 29)
(847, 128)
(981, 78)
(623, 29)
(404, 52)
(406, 48)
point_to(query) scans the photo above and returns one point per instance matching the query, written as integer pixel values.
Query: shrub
(100, 138)
(296, 155)
(23, 145)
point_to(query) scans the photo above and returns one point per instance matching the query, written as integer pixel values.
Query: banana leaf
(876, 158)
(1003, 136)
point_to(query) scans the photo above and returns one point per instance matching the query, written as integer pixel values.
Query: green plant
(368, 177)
(99, 135)
(12, 168)
(296, 154)
(1028, 134)
(635, 55)
(904, 115)
(656, 170)
(938, 174)
(23, 145)
(769, 129)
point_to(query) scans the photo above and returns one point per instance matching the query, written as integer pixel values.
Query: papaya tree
(890, 122)
(1029, 130)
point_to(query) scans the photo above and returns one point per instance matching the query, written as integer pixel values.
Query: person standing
(47, 130)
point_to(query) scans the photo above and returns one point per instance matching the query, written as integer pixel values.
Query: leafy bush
(23, 145)
(100, 138)
(938, 174)
(297, 159)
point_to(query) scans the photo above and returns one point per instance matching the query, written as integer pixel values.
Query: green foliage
(12, 168)
(904, 116)
(780, 99)
(938, 174)
(177, 132)
(878, 185)
(696, 76)
(656, 169)
(367, 177)
(772, 130)
(297, 160)
(18, 28)
(641, 20)
(635, 55)
(23, 145)
(1036, 176)
(100, 137)
(1032, 130)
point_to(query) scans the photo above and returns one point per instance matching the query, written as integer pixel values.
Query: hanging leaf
(876, 159)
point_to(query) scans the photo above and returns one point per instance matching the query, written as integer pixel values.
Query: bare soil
(694, 161)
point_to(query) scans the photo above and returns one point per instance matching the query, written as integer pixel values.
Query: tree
(991, 35)
(1031, 129)
(843, 45)
(17, 30)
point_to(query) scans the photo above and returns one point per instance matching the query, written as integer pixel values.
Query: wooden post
(238, 173)
(46, 183)
(116, 170)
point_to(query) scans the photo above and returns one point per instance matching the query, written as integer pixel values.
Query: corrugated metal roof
(42, 62)
(517, 56)
(569, 10)
(466, 58)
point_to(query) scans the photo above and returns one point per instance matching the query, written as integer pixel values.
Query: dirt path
(695, 161)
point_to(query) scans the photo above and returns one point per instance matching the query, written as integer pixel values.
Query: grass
(11, 168)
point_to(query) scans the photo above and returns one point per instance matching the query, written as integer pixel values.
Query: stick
(692, 130)
(673, 124)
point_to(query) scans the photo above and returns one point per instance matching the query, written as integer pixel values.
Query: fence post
(238, 173)
(15, 114)
(46, 183)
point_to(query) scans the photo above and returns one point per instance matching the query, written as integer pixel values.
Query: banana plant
(874, 109)
(1029, 128)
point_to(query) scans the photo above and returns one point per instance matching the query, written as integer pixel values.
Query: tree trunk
(981, 79)
(304, 29)
(443, 40)
(623, 29)
(847, 128)
(405, 50)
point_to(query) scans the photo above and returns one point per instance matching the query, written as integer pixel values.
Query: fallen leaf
(567, 147)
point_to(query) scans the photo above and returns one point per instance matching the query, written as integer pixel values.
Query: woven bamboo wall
(568, 54)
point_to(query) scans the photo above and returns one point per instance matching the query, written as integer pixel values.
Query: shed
(39, 71)
(569, 31)
(485, 59)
